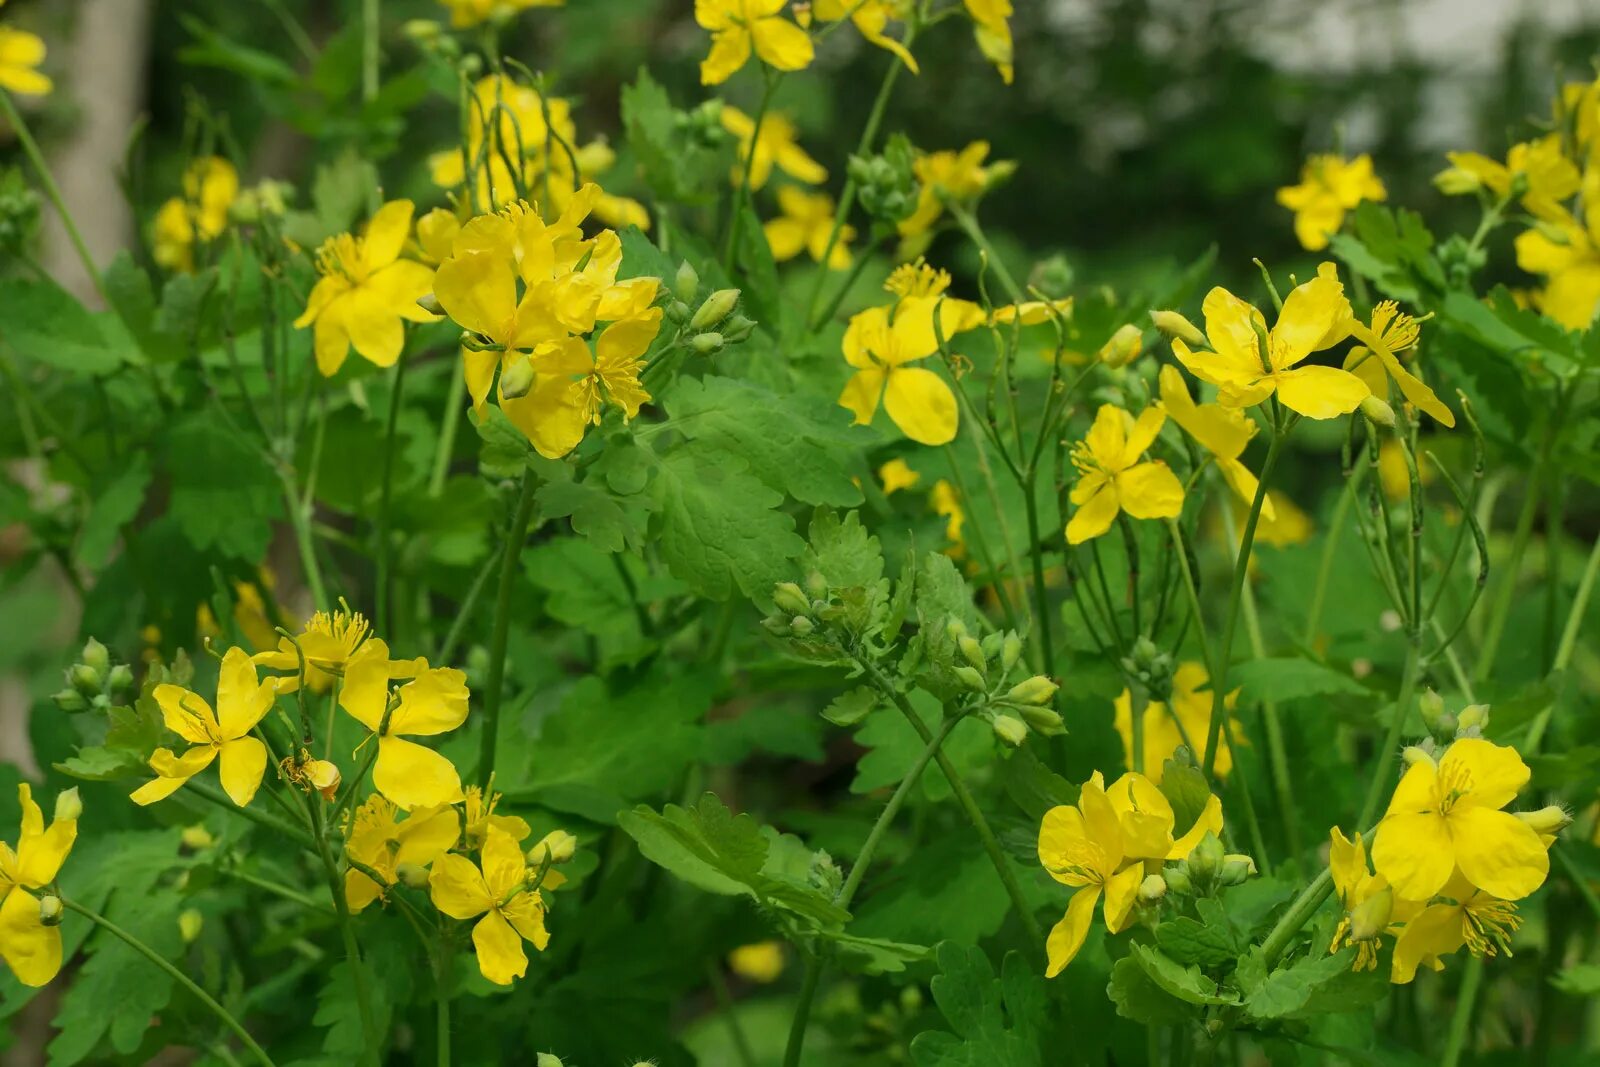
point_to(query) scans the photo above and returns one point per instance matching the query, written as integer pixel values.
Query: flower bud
(801, 626)
(972, 652)
(548, 1059)
(413, 875)
(1378, 410)
(1044, 719)
(1430, 706)
(1372, 915)
(1177, 878)
(954, 628)
(50, 910)
(1036, 690)
(1236, 868)
(677, 311)
(471, 64)
(686, 284)
(704, 344)
(1124, 346)
(94, 654)
(70, 701)
(1472, 717)
(1547, 821)
(517, 378)
(119, 679)
(1153, 888)
(69, 807)
(791, 598)
(324, 777)
(1010, 650)
(1457, 181)
(1175, 325)
(736, 328)
(85, 679)
(718, 306)
(559, 845)
(196, 837)
(1012, 731)
(190, 922)
(430, 303)
(1206, 859)
(972, 679)
(420, 30)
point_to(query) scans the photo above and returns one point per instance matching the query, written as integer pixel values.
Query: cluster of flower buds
(1151, 667)
(886, 184)
(716, 322)
(1207, 869)
(19, 212)
(985, 667)
(94, 682)
(1446, 726)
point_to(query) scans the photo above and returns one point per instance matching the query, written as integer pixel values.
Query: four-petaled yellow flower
(1567, 252)
(210, 186)
(1222, 431)
(367, 292)
(806, 224)
(1460, 916)
(1250, 363)
(947, 176)
(879, 343)
(1366, 898)
(1550, 176)
(1330, 186)
(1114, 476)
(871, 18)
(222, 735)
(21, 53)
(1377, 358)
(328, 642)
(738, 26)
(381, 840)
(30, 948)
(1185, 720)
(776, 144)
(993, 33)
(1447, 815)
(478, 816)
(512, 910)
(434, 702)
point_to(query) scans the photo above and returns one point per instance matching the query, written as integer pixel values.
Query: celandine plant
(745, 652)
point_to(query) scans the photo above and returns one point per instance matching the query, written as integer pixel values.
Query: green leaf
(506, 451)
(1286, 990)
(941, 595)
(996, 1022)
(213, 49)
(610, 522)
(851, 707)
(712, 849)
(1177, 980)
(116, 506)
(1186, 790)
(224, 497)
(1289, 678)
(943, 890)
(720, 529)
(1579, 980)
(1209, 941)
(873, 955)
(893, 745)
(753, 259)
(798, 445)
(1137, 996)
(44, 323)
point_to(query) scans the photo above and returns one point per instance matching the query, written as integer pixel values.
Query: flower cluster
(1330, 186)
(30, 934)
(210, 186)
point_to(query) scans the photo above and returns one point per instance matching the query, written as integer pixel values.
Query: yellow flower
(1329, 187)
(1395, 476)
(1568, 254)
(1222, 431)
(1366, 898)
(1191, 705)
(367, 292)
(1447, 814)
(760, 962)
(1286, 525)
(210, 186)
(512, 910)
(1033, 312)
(945, 502)
(434, 702)
(1247, 370)
(1460, 916)
(944, 176)
(20, 54)
(879, 342)
(871, 17)
(381, 840)
(478, 817)
(30, 948)
(993, 33)
(1377, 358)
(776, 144)
(1550, 176)
(1113, 477)
(222, 735)
(436, 235)
(328, 642)
(806, 224)
(737, 26)
(467, 13)
(897, 475)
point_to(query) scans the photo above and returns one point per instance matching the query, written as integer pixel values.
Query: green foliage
(997, 1021)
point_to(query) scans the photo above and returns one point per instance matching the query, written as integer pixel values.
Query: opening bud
(718, 306)
(1044, 719)
(1173, 324)
(1036, 690)
(412, 875)
(972, 680)
(517, 378)
(1124, 346)
(1153, 888)
(559, 845)
(50, 910)
(791, 598)
(69, 807)
(972, 652)
(1012, 731)
(686, 284)
(1378, 410)
(1473, 717)
(190, 923)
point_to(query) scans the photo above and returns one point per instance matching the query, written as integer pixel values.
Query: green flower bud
(70, 701)
(791, 598)
(718, 306)
(686, 284)
(471, 65)
(517, 379)
(1236, 869)
(777, 625)
(50, 910)
(1044, 719)
(1431, 706)
(1175, 325)
(971, 679)
(1457, 181)
(421, 30)
(1473, 717)
(1153, 888)
(559, 845)
(430, 303)
(69, 806)
(1371, 916)
(972, 652)
(1124, 346)
(737, 328)
(548, 1059)
(1035, 690)
(94, 654)
(85, 679)
(1206, 859)
(705, 344)
(1012, 731)
(1378, 411)
(1010, 650)
(410, 874)
(1177, 878)
(677, 311)
(801, 626)
(120, 679)
(1053, 276)
(190, 923)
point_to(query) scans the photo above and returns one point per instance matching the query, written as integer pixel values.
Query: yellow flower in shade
(897, 475)
(1550, 176)
(1447, 814)
(1366, 898)
(1461, 915)
(1114, 477)
(759, 962)
(776, 144)
(380, 839)
(367, 292)
(328, 642)
(1395, 476)
(993, 33)
(1315, 316)
(222, 735)
(947, 502)
(30, 948)
(1189, 708)
(1286, 524)
(1329, 187)
(468, 13)
(738, 26)
(478, 816)
(512, 911)
(879, 343)
(1222, 431)
(872, 18)
(805, 225)
(210, 186)
(1100, 847)
(1376, 360)
(945, 176)
(432, 703)
(1568, 254)
(20, 55)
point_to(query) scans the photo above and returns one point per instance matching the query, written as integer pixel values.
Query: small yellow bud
(1378, 410)
(324, 778)
(1010, 730)
(1372, 916)
(196, 837)
(559, 845)
(972, 652)
(1153, 888)
(517, 378)
(1044, 719)
(718, 306)
(69, 807)
(1457, 181)
(50, 910)
(548, 1059)
(1473, 717)
(1036, 690)
(1415, 754)
(1175, 325)
(420, 30)
(410, 874)
(1547, 821)
(1124, 346)
(190, 923)
(759, 962)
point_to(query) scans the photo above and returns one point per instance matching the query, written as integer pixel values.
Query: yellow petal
(500, 955)
(31, 949)
(375, 331)
(627, 339)
(456, 887)
(1414, 852)
(1231, 326)
(1095, 513)
(1150, 491)
(243, 761)
(1309, 313)
(332, 339)
(1122, 892)
(1320, 392)
(1108, 437)
(1141, 435)
(1209, 821)
(365, 693)
(242, 699)
(173, 771)
(503, 863)
(435, 702)
(185, 713)
(359, 890)
(428, 834)
(730, 50)
(922, 405)
(1436, 931)
(862, 393)
(1101, 822)
(1061, 836)
(413, 776)
(525, 913)
(1067, 936)
(550, 416)
(386, 234)
(781, 44)
(1498, 852)
(1496, 772)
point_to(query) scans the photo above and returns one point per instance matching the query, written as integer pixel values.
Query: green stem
(266, 885)
(1241, 569)
(222, 1014)
(1506, 591)
(352, 948)
(447, 434)
(1330, 545)
(1461, 1018)
(1569, 643)
(260, 818)
(1390, 751)
(300, 522)
(741, 193)
(442, 992)
(969, 225)
(802, 1013)
(1138, 704)
(1299, 913)
(1040, 593)
(516, 534)
(719, 989)
(452, 637)
(370, 25)
(385, 493)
